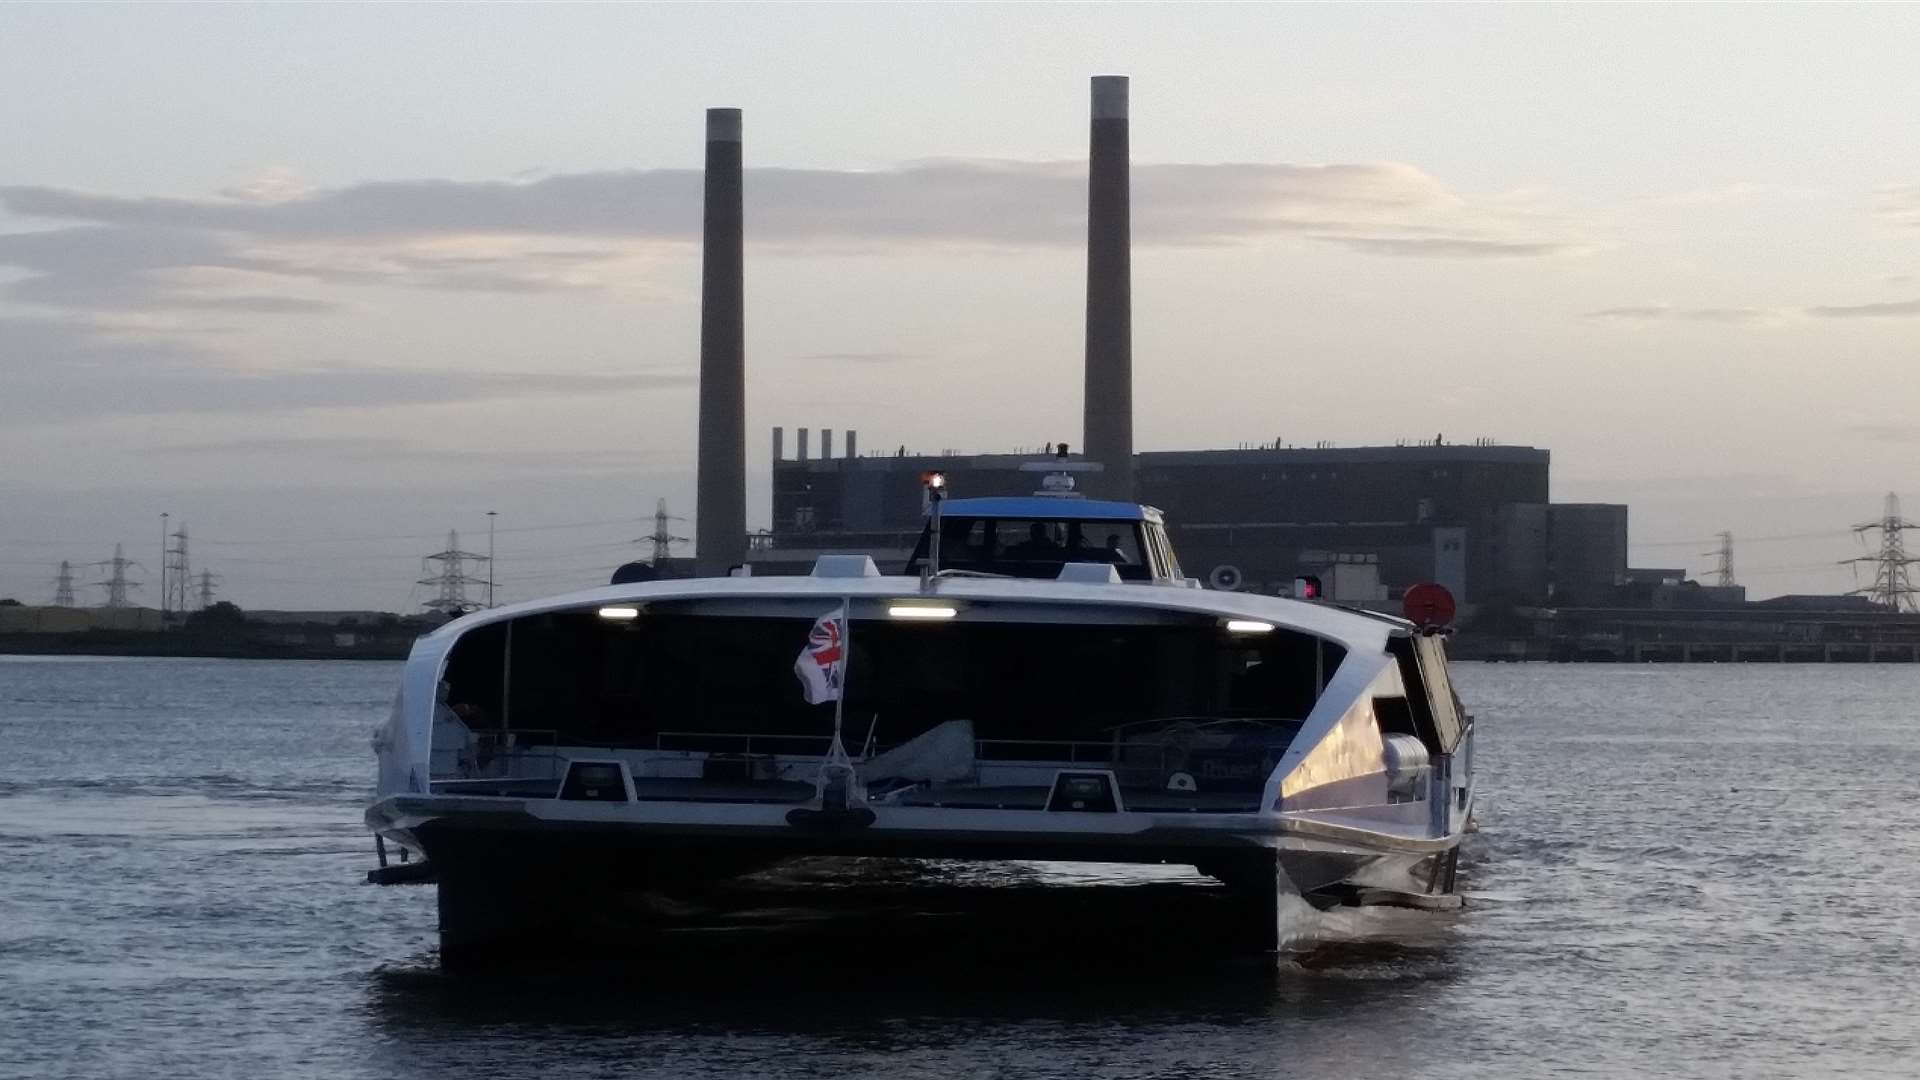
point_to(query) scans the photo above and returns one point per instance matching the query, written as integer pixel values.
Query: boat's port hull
(513, 883)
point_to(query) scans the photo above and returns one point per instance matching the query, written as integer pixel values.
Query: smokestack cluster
(1108, 418)
(1108, 428)
(852, 449)
(721, 499)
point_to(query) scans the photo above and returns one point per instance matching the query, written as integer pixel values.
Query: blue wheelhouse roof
(1049, 509)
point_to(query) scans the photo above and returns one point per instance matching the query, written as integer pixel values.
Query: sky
(327, 282)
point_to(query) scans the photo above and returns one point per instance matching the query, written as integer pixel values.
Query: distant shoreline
(181, 645)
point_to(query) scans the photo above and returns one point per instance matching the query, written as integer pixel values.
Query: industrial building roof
(1291, 455)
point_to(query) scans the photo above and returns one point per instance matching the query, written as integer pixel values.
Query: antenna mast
(1892, 587)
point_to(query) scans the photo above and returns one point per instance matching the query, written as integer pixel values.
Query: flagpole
(846, 664)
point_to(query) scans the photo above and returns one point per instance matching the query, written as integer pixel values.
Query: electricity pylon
(1723, 561)
(178, 574)
(203, 592)
(1892, 587)
(63, 585)
(662, 538)
(117, 584)
(450, 581)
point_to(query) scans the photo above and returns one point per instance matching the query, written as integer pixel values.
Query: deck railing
(522, 755)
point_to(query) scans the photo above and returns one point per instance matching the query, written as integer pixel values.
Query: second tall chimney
(1108, 432)
(721, 497)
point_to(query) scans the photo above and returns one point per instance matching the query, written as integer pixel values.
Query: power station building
(1475, 518)
(1371, 520)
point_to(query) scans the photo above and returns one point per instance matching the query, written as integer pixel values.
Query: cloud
(1756, 315)
(105, 267)
(1896, 309)
(573, 231)
(1898, 204)
(387, 450)
(1006, 203)
(1891, 433)
(53, 369)
(859, 357)
(1657, 312)
(294, 444)
(1451, 247)
(1736, 192)
(268, 305)
(277, 183)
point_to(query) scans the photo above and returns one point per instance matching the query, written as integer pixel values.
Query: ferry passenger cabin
(976, 695)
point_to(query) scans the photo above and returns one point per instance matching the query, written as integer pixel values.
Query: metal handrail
(1117, 751)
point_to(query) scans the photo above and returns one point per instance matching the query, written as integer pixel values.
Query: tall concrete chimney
(803, 444)
(1108, 432)
(721, 502)
(826, 444)
(853, 443)
(779, 443)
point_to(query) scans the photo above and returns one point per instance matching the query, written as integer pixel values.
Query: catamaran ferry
(1041, 683)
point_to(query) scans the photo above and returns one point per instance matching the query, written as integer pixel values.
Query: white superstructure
(609, 736)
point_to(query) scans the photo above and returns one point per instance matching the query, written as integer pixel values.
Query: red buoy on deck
(1428, 606)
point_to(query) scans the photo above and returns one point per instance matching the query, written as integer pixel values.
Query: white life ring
(1226, 577)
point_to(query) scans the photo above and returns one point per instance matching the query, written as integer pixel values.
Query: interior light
(922, 611)
(621, 613)
(1248, 626)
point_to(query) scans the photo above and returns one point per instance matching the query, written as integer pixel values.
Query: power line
(559, 526)
(1776, 538)
(1784, 568)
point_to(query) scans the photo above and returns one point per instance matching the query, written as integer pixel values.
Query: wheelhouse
(1036, 537)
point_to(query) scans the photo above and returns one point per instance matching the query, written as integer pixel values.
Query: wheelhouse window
(1037, 547)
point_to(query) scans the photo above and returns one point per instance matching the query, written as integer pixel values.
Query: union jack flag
(822, 665)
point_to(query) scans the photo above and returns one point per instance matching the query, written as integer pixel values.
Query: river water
(1681, 871)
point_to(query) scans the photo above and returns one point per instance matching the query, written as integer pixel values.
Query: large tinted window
(606, 682)
(1036, 547)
